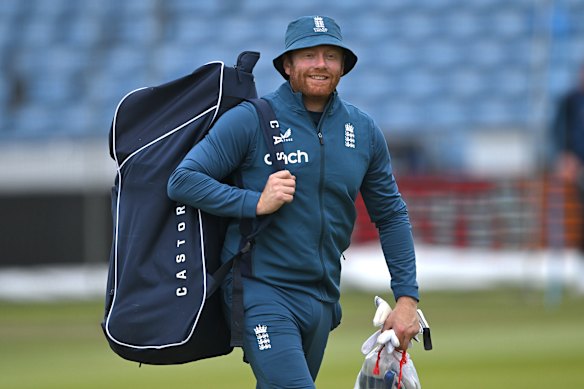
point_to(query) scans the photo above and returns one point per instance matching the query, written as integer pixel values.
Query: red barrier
(469, 212)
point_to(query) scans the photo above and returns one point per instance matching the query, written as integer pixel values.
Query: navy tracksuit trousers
(285, 334)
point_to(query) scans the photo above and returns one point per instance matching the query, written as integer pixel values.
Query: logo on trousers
(263, 337)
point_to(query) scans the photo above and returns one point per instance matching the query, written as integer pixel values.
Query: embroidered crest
(263, 337)
(319, 24)
(349, 135)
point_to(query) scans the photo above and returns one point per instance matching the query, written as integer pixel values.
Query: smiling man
(315, 72)
(332, 151)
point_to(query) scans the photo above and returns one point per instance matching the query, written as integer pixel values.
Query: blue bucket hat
(310, 31)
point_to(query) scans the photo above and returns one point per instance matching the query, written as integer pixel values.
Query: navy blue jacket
(332, 161)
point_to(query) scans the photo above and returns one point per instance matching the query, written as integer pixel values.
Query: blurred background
(467, 93)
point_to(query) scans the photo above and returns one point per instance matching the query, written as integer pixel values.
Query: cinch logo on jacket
(292, 158)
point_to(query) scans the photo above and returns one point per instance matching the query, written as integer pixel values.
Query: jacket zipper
(320, 139)
(321, 200)
(321, 189)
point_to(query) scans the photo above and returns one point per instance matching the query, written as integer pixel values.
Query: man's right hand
(278, 191)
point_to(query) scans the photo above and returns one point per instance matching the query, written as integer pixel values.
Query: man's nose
(320, 60)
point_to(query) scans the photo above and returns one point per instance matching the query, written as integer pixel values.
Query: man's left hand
(403, 319)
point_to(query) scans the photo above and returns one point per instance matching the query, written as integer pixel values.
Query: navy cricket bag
(158, 306)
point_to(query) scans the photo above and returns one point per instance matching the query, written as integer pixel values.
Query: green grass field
(488, 339)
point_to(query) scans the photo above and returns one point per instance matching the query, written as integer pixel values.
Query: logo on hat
(319, 24)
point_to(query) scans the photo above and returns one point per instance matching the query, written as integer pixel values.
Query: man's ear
(287, 63)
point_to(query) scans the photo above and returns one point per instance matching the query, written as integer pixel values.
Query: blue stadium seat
(447, 112)
(189, 31)
(288, 10)
(173, 60)
(512, 82)
(398, 55)
(434, 6)
(418, 26)
(79, 119)
(193, 9)
(561, 80)
(441, 54)
(135, 32)
(39, 33)
(4, 96)
(466, 83)
(10, 9)
(575, 50)
(509, 23)
(35, 120)
(400, 114)
(6, 38)
(491, 112)
(421, 84)
(83, 31)
(460, 25)
(369, 26)
(40, 11)
(136, 9)
(485, 53)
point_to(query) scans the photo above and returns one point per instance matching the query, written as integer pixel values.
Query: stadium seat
(510, 23)
(9, 9)
(202, 9)
(441, 54)
(35, 121)
(82, 31)
(136, 32)
(420, 26)
(461, 24)
(466, 83)
(4, 97)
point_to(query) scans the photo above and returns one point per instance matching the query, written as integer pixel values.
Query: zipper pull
(320, 138)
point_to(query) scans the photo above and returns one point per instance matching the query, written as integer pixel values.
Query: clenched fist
(278, 191)
(404, 321)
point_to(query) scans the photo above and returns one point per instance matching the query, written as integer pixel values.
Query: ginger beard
(315, 72)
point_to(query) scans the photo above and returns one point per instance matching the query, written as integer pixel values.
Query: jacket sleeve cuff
(250, 203)
(409, 291)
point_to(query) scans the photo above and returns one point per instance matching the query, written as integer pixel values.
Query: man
(568, 139)
(569, 134)
(332, 150)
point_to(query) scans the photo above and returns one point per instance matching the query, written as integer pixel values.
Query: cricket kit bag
(160, 303)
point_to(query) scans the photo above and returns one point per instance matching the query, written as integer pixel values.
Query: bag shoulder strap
(250, 227)
(270, 129)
